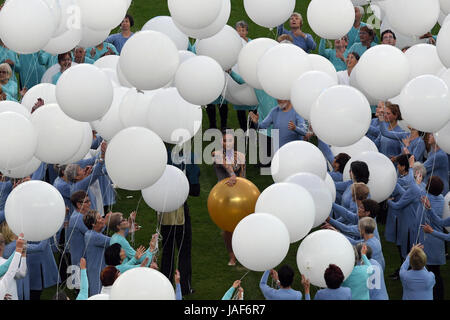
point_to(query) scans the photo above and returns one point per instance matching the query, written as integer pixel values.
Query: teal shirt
(56, 78)
(7, 54)
(99, 53)
(330, 54)
(4, 267)
(128, 265)
(84, 286)
(229, 294)
(129, 251)
(46, 59)
(357, 280)
(10, 89)
(359, 48)
(31, 71)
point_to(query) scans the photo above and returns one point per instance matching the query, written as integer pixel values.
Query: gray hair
(297, 14)
(361, 9)
(242, 24)
(71, 172)
(367, 224)
(419, 167)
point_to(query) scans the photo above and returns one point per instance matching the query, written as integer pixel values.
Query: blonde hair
(360, 191)
(417, 259)
(7, 67)
(8, 235)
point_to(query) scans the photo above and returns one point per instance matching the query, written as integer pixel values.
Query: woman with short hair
(8, 87)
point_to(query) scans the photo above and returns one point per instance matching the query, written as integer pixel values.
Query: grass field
(211, 276)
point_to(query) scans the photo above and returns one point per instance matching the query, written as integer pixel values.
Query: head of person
(227, 139)
(417, 259)
(388, 37)
(369, 252)
(435, 186)
(286, 276)
(65, 60)
(59, 168)
(296, 21)
(74, 173)
(352, 60)
(80, 201)
(7, 233)
(341, 43)
(242, 28)
(127, 23)
(5, 72)
(392, 112)
(402, 163)
(366, 34)
(359, 11)
(379, 111)
(359, 172)
(431, 140)
(79, 53)
(114, 255)
(368, 208)
(117, 222)
(285, 38)
(367, 226)
(340, 161)
(93, 220)
(333, 276)
(360, 191)
(108, 275)
(419, 168)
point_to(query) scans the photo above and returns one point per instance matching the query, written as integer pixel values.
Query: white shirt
(343, 78)
(106, 290)
(8, 283)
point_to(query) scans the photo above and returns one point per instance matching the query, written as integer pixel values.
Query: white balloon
(269, 13)
(171, 117)
(402, 40)
(360, 2)
(373, 66)
(142, 284)
(292, 204)
(224, 47)
(26, 26)
(84, 92)
(110, 124)
(213, 28)
(17, 139)
(13, 106)
(165, 25)
(102, 14)
(100, 296)
(423, 59)
(412, 17)
(445, 6)
(355, 84)
(122, 79)
(107, 62)
(149, 60)
(36, 209)
(443, 138)
(134, 108)
(446, 77)
(64, 42)
(84, 147)
(169, 192)
(45, 91)
(446, 213)
(382, 174)
(112, 76)
(91, 37)
(67, 20)
(331, 187)
(331, 19)
(279, 67)
(239, 94)
(307, 88)
(319, 191)
(443, 44)
(320, 249)
(365, 144)
(24, 170)
(341, 116)
(260, 241)
(59, 137)
(295, 157)
(200, 80)
(319, 63)
(425, 103)
(194, 13)
(135, 158)
(249, 57)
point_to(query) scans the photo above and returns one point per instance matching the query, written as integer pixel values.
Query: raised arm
(84, 285)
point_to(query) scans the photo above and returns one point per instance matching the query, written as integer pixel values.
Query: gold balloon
(229, 205)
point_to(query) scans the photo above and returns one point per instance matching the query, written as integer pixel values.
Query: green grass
(211, 276)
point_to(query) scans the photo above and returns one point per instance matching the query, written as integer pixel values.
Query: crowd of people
(95, 238)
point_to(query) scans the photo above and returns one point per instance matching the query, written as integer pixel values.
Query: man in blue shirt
(301, 39)
(284, 279)
(119, 39)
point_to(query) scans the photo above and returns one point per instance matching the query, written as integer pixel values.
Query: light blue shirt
(307, 44)
(277, 294)
(118, 40)
(417, 284)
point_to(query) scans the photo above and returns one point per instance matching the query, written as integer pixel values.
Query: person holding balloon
(301, 39)
(65, 62)
(8, 87)
(437, 162)
(333, 278)
(284, 279)
(357, 280)
(79, 56)
(6, 280)
(359, 172)
(98, 51)
(119, 39)
(351, 61)
(367, 37)
(338, 55)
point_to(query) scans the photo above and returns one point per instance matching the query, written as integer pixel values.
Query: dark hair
(242, 24)
(59, 168)
(90, 218)
(333, 276)
(355, 54)
(372, 206)
(78, 196)
(112, 255)
(342, 159)
(130, 18)
(60, 295)
(403, 160)
(369, 250)
(62, 55)
(108, 276)
(369, 31)
(286, 276)
(395, 109)
(435, 186)
(388, 31)
(360, 171)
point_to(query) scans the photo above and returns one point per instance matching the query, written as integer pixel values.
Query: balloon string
(224, 92)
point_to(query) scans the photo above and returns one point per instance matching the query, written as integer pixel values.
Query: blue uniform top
(417, 284)
(437, 165)
(46, 59)
(42, 266)
(330, 54)
(277, 294)
(75, 237)
(377, 285)
(5, 190)
(118, 40)
(391, 140)
(353, 35)
(31, 71)
(99, 53)
(95, 245)
(308, 44)
(434, 247)
(341, 293)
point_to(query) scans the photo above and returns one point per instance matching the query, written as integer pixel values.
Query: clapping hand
(139, 252)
